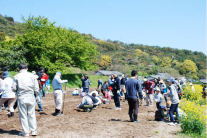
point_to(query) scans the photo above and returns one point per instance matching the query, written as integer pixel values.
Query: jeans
(43, 90)
(100, 83)
(40, 94)
(116, 99)
(86, 90)
(39, 103)
(173, 108)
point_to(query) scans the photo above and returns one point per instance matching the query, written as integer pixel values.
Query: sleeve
(118, 84)
(61, 81)
(83, 100)
(2, 85)
(14, 85)
(89, 83)
(140, 90)
(36, 86)
(171, 92)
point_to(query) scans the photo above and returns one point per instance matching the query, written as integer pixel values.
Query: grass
(156, 131)
(191, 135)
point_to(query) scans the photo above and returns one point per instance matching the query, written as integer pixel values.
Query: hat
(157, 89)
(171, 80)
(161, 81)
(162, 107)
(41, 68)
(145, 79)
(6, 74)
(58, 73)
(190, 84)
(82, 94)
(33, 72)
(5, 69)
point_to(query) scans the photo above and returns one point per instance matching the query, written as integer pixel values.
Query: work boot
(135, 119)
(58, 113)
(131, 117)
(55, 113)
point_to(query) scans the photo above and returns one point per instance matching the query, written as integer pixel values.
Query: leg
(40, 105)
(172, 108)
(136, 106)
(165, 98)
(11, 104)
(43, 90)
(22, 108)
(130, 103)
(151, 99)
(58, 99)
(40, 95)
(147, 100)
(31, 116)
(15, 105)
(177, 114)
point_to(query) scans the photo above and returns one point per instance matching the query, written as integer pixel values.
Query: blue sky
(167, 23)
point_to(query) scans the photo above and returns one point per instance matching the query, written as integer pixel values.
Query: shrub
(195, 119)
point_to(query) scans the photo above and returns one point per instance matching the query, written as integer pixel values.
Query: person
(8, 94)
(5, 69)
(160, 114)
(158, 98)
(48, 85)
(100, 82)
(25, 84)
(86, 103)
(41, 70)
(133, 86)
(123, 90)
(95, 101)
(106, 98)
(175, 101)
(149, 85)
(116, 90)
(104, 87)
(192, 87)
(163, 89)
(57, 93)
(204, 93)
(85, 84)
(97, 98)
(75, 92)
(44, 78)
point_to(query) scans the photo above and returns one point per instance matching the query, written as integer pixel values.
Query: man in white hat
(192, 87)
(58, 92)
(25, 84)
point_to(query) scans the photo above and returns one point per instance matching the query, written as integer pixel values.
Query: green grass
(191, 135)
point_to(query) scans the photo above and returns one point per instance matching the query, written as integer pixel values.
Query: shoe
(118, 108)
(34, 133)
(94, 108)
(171, 124)
(150, 105)
(135, 119)
(131, 118)
(58, 113)
(88, 110)
(23, 134)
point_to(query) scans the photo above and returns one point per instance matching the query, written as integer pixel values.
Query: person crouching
(57, 93)
(158, 98)
(86, 103)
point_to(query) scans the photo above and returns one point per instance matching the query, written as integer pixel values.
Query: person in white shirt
(158, 98)
(86, 103)
(7, 93)
(25, 84)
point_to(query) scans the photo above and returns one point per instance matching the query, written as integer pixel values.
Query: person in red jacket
(44, 78)
(149, 89)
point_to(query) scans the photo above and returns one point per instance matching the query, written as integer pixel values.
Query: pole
(64, 99)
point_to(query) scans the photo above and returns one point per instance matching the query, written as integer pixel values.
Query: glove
(66, 81)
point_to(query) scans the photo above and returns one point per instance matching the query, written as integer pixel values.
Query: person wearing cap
(8, 94)
(25, 84)
(85, 84)
(163, 89)
(149, 88)
(192, 87)
(133, 89)
(158, 98)
(100, 82)
(175, 101)
(116, 91)
(57, 93)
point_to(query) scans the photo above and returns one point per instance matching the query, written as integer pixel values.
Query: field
(98, 123)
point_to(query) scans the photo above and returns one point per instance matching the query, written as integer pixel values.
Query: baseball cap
(171, 80)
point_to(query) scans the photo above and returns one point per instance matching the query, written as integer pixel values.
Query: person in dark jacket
(116, 90)
(85, 84)
(133, 86)
(104, 87)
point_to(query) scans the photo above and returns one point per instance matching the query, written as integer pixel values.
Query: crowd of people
(31, 88)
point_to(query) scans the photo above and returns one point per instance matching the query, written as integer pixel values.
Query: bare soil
(96, 124)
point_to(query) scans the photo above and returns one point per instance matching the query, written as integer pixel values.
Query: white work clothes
(57, 94)
(149, 98)
(8, 93)
(11, 102)
(25, 84)
(158, 97)
(87, 100)
(2, 86)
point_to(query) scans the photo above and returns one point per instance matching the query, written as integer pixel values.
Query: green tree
(165, 62)
(189, 69)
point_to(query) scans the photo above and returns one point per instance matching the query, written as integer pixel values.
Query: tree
(165, 62)
(55, 47)
(189, 69)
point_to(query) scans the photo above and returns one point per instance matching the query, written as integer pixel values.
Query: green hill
(116, 55)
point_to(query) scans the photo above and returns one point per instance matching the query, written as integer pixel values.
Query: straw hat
(161, 81)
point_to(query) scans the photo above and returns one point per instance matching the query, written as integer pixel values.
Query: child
(160, 114)
(75, 92)
(158, 98)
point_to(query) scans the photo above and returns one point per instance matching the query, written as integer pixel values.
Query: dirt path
(96, 124)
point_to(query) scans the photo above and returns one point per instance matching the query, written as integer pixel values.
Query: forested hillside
(41, 43)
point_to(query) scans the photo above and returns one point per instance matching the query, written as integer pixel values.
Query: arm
(36, 86)
(14, 85)
(140, 90)
(61, 81)
(2, 85)
(40, 85)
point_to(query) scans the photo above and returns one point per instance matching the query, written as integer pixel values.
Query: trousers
(11, 102)
(133, 105)
(27, 117)
(57, 94)
(149, 98)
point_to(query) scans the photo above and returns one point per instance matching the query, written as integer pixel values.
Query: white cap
(157, 89)
(145, 79)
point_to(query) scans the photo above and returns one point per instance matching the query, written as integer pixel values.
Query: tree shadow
(11, 132)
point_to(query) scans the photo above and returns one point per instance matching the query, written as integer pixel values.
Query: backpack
(158, 115)
(165, 90)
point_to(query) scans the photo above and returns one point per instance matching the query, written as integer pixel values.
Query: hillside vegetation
(38, 42)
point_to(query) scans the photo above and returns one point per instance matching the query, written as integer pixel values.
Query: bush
(195, 119)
